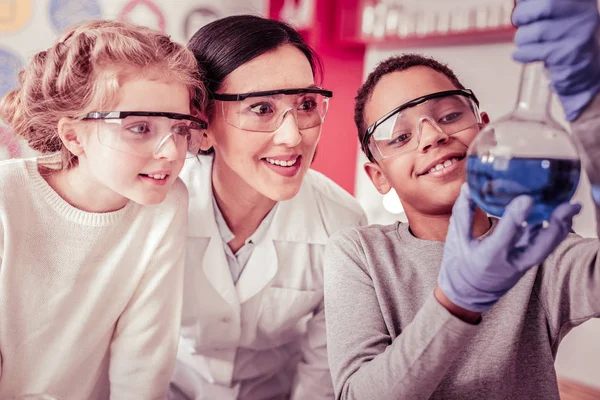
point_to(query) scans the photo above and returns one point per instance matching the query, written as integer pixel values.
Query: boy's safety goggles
(399, 131)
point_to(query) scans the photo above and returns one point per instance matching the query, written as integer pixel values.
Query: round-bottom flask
(525, 152)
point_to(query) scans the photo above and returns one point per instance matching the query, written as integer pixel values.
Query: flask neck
(535, 97)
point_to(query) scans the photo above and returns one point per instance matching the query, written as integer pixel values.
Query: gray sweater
(389, 338)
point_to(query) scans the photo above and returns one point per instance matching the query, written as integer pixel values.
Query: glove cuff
(459, 297)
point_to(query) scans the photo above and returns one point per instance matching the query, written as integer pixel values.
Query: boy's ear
(375, 173)
(485, 118)
(70, 136)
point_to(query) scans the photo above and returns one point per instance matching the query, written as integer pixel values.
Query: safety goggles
(265, 111)
(399, 131)
(145, 133)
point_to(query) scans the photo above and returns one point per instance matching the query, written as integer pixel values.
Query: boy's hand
(476, 273)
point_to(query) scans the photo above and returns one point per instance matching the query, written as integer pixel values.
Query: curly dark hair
(393, 64)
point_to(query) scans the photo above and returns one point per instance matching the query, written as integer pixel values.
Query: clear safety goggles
(399, 131)
(146, 134)
(266, 111)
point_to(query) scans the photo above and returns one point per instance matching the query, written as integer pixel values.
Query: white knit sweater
(90, 303)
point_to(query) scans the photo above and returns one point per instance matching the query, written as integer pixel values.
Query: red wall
(343, 67)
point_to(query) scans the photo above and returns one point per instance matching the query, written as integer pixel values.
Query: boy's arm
(569, 282)
(568, 285)
(365, 362)
(586, 133)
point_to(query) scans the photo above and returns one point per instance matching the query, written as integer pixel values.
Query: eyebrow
(270, 93)
(433, 102)
(252, 90)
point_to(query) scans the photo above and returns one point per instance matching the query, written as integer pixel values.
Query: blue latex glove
(475, 273)
(562, 34)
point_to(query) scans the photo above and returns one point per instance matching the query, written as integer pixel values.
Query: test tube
(443, 21)
(380, 15)
(507, 8)
(459, 20)
(494, 17)
(481, 17)
(428, 22)
(391, 20)
(368, 20)
(407, 24)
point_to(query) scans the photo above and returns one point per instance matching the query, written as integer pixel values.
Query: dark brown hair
(222, 46)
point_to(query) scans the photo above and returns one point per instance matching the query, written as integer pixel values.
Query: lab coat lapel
(300, 219)
(259, 270)
(295, 220)
(202, 224)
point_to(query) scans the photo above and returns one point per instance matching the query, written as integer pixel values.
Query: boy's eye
(451, 117)
(400, 139)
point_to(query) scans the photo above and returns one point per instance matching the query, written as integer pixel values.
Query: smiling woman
(266, 111)
(259, 220)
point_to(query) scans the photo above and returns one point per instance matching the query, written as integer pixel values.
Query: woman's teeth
(282, 163)
(443, 165)
(158, 177)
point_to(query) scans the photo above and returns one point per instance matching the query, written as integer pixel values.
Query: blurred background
(473, 36)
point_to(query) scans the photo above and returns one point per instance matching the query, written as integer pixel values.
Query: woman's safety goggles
(146, 134)
(399, 131)
(266, 111)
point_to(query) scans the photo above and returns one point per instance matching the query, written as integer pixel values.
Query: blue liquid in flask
(495, 182)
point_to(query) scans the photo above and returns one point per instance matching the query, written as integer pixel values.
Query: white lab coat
(264, 337)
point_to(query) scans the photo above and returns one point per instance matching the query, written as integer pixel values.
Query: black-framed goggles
(265, 111)
(399, 131)
(145, 133)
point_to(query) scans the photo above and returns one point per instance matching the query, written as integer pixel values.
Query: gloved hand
(475, 273)
(562, 34)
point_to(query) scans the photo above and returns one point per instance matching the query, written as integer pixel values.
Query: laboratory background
(473, 36)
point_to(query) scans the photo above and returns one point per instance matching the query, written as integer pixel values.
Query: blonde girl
(92, 232)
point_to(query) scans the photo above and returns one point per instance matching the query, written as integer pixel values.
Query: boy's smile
(428, 178)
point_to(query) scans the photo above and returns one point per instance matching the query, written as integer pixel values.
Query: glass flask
(524, 152)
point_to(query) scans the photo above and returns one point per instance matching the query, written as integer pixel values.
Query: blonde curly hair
(82, 73)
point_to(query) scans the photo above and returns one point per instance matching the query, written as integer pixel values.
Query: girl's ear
(71, 136)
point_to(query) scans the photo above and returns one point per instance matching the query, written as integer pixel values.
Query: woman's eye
(182, 130)
(308, 105)
(261, 108)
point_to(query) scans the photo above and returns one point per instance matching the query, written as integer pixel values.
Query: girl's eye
(141, 129)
